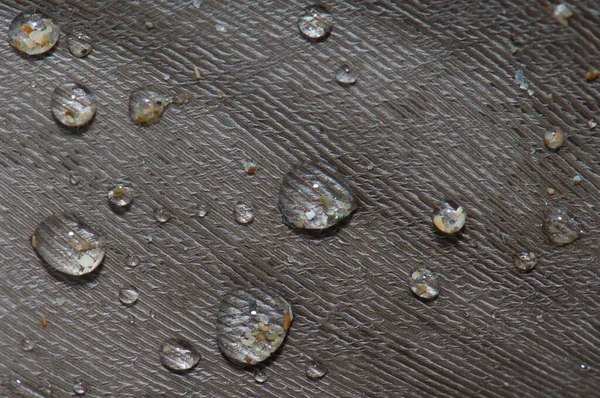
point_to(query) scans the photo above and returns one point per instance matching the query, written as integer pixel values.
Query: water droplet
(250, 166)
(424, 283)
(562, 12)
(243, 213)
(73, 104)
(592, 123)
(550, 191)
(252, 325)
(315, 371)
(166, 76)
(27, 344)
(577, 179)
(68, 244)
(73, 179)
(201, 211)
(120, 197)
(525, 261)
(197, 3)
(560, 228)
(449, 218)
(178, 354)
(132, 260)
(149, 25)
(146, 107)
(161, 214)
(33, 33)
(584, 367)
(315, 23)
(220, 28)
(128, 295)
(520, 79)
(554, 140)
(540, 317)
(346, 75)
(260, 376)
(309, 198)
(79, 387)
(79, 45)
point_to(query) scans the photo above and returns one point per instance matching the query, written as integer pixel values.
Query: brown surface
(436, 113)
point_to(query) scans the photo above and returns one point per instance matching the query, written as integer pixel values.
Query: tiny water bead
(178, 354)
(33, 32)
(128, 295)
(201, 211)
(560, 227)
(315, 371)
(424, 283)
(554, 140)
(73, 179)
(250, 166)
(79, 45)
(27, 344)
(79, 387)
(346, 75)
(146, 106)
(449, 218)
(68, 244)
(260, 376)
(252, 325)
(243, 213)
(120, 197)
(315, 23)
(73, 104)
(310, 198)
(132, 261)
(162, 215)
(525, 261)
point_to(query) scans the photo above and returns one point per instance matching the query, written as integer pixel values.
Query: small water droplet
(68, 244)
(584, 367)
(260, 376)
(424, 283)
(346, 75)
(74, 179)
(121, 197)
(33, 33)
(73, 104)
(577, 179)
(161, 214)
(128, 295)
(525, 261)
(132, 260)
(243, 213)
(178, 354)
(449, 218)
(592, 123)
(166, 76)
(554, 139)
(79, 45)
(562, 12)
(146, 107)
(250, 166)
(27, 344)
(315, 23)
(79, 387)
(561, 228)
(540, 317)
(201, 211)
(315, 371)
(220, 28)
(149, 25)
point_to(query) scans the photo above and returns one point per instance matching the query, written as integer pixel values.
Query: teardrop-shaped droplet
(80, 45)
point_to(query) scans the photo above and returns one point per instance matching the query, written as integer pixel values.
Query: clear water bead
(27, 345)
(424, 283)
(120, 197)
(128, 295)
(315, 371)
(561, 228)
(79, 45)
(162, 215)
(73, 104)
(146, 106)
(346, 75)
(132, 260)
(525, 261)
(252, 324)
(449, 218)
(74, 179)
(310, 198)
(260, 376)
(79, 387)
(315, 23)
(201, 211)
(178, 354)
(554, 140)
(68, 244)
(250, 166)
(243, 213)
(33, 32)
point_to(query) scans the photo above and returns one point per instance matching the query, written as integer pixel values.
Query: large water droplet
(73, 104)
(161, 214)
(146, 107)
(33, 33)
(315, 371)
(561, 228)
(68, 244)
(80, 45)
(525, 261)
(79, 387)
(132, 260)
(252, 325)
(315, 23)
(27, 345)
(128, 295)
(260, 376)
(309, 198)
(243, 213)
(120, 197)
(449, 218)
(346, 75)
(424, 283)
(178, 355)
(554, 140)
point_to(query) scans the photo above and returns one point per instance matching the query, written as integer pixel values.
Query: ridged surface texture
(436, 114)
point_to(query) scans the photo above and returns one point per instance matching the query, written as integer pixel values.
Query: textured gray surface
(435, 114)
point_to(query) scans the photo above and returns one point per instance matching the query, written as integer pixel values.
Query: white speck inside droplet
(310, 215)
(86, 261)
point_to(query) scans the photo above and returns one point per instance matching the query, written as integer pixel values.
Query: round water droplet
(33, 32)
(132, 260)
(424, 283)
(128, 295)
(315, 23)
(178, 355)
(525, 261)
(554, 140)
(73, 179)
(243, 213)
(449, 218)
(201, 211)
(315, 371)
(260, 376)
(252, 324)
(577, 179)
(162, 215)
(309, 198)
(79, 45)
(561, 228)
(250, 166)
(27, 344)
(146, 107)
(74, 105)
(68, 244)
(120, 197)
(346, 75)
(79, 387)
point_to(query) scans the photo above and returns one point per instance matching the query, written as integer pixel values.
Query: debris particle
(220, 94)
(577, 179)
(149, 25)
(550, 191)
(592, 123)
(520, 79)
(562, 12)
(592, 74)
(197, 73)
(554, 139)
(44, 321)
(250, 166)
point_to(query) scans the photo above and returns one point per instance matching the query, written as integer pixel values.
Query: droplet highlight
(560, 227)
(315, 23)
(73, 104)
(449, 218)
(424, 283)
(33, 32)
(178, 354)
